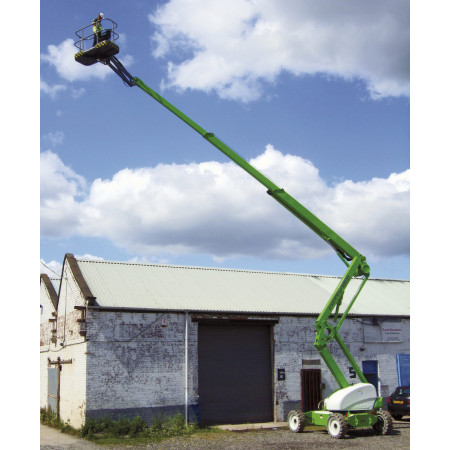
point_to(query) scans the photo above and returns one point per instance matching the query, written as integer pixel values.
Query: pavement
(51, 439)
(253, 426)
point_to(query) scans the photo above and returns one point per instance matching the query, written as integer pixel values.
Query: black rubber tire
(384, 424)
(337, 426)
(296, 421)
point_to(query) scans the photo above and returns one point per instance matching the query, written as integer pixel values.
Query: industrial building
(220, 345)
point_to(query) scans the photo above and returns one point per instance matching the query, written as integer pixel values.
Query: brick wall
(136, 364)
(69, 346)
(46, 310)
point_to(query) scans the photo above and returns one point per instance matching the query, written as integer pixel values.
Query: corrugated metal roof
(161, 287)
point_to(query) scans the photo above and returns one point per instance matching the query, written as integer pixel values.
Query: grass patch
(49, 418)
(124, 431)
(106, 431)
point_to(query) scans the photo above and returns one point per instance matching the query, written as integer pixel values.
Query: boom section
(343, 248)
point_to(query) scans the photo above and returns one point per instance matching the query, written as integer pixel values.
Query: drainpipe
(186, 368)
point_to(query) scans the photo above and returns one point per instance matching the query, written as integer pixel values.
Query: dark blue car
(398, 402)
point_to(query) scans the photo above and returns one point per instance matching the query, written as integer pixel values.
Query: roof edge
(79, 278)
(50, 289)
(127, 309)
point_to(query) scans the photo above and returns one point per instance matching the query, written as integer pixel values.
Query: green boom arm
(356, 263)
(357, 266)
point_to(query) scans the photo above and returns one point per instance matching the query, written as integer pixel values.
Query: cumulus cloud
(233, 47)
(216, 208)
(61, 58)
(60, 190)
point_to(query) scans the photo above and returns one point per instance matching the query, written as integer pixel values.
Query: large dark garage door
(235, 373)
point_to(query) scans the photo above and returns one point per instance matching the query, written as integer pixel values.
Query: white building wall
(68, 327)
(46, 313)
(43, 379)
(72, 382)
(70, 347)
(136, 364)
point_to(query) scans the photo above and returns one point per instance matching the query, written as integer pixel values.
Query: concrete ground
(52, 439)
(253, 426)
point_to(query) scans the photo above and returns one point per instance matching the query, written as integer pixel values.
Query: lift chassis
(352, 405)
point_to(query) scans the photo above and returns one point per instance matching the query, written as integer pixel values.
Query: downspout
(186, 368)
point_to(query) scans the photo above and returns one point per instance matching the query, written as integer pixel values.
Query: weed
(51, 419)
(107, 431)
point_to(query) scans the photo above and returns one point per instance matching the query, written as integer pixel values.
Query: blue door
(370, 371)
(403, 369)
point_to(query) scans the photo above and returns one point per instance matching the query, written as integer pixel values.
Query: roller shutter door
(235, 373)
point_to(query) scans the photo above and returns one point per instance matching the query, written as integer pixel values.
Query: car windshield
(402, 391)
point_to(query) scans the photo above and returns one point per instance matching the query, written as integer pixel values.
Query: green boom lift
(352, 405)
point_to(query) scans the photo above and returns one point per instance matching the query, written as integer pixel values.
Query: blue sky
(314, 94)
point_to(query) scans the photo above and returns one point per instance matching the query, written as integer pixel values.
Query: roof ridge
(219, 269)
(223, 269)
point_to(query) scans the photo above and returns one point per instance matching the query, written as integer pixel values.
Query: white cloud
(233, 46)
(51, 91)
(60, 188)
(216, 208)
(61, 57)
(52, 269)
(56, 138)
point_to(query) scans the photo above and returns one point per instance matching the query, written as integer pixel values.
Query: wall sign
(386, 331)
(391, 331)
(281, 374)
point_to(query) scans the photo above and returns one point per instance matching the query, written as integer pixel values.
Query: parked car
(398, 402)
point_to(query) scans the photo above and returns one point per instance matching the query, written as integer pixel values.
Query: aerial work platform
(100, 52)
(91, 52)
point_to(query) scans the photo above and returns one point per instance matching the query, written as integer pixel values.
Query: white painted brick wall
(136, 362)
(68, 329)
(73, 376)
(73, 382)
(43, 379)
(46, 311)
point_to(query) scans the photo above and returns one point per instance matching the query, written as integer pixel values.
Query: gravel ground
(268, 439)
(284, 439)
